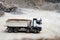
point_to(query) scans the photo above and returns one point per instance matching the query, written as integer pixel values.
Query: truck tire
(10, 30)
(32, 31)
(35, 31)
(28, 31)
(15, 30)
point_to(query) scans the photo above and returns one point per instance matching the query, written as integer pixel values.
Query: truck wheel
(10, 30)
(15, 30)
(35, 31)
(38, 31)
(27, 31)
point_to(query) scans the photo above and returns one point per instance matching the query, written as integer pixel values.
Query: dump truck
(22, 25)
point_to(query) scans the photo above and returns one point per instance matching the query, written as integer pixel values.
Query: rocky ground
(34, 4)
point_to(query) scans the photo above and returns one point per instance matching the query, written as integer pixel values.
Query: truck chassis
(24, 29)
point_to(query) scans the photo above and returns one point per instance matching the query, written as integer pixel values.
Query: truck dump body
(18, 22)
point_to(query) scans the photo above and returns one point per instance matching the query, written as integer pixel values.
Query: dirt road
(50, 24)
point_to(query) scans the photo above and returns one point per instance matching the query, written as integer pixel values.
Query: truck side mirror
(39, 21)
(35, 21)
